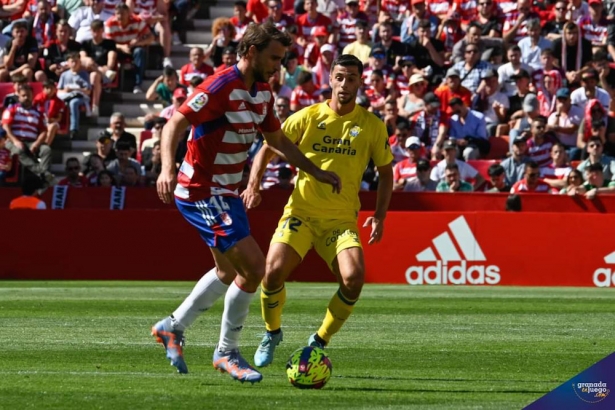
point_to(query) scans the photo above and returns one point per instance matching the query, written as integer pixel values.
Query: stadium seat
(574, 164)
(482, 166)
(144, 136)
(499, 147)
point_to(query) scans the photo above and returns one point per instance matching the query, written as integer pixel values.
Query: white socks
(205, 293)
(236, 307)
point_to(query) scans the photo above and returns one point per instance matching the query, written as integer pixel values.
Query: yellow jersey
(341, 144)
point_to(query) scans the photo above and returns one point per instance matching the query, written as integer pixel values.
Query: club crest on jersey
(199, 101)
(322, 126)
(354, 131)
(264, 109)
(226, 218)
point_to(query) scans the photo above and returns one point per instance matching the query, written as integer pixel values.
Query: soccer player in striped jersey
(226, 111)
(343, 137)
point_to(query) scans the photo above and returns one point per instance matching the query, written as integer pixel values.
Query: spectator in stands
(361, 47)
(410, 24)
(223, 33)
(450, 31)
(392, 117)
(270, 177)
(431, 125)
(322, 68)
(468, 127)
(347, 22)
(589, 91)
(42, 24)
(118, 132)
(572, 53)
(130, 177)
(26, 132)
(194, 82)
(606, 75)
(18, 80)
(427, 51)
(511, 72)
(21, 55)
(156, 16)
(197, 67)
(147, 146)
(401, 131)
(104, 148)
(282, 108)
(74, 89)
(291, 70)
(472, 69)
(401, 77)
(516, 21)
(466, 171)
(473, 36)
(532, 45)
(73, 177)
(493, 103)
(531, 181)
(93, 166)
(487, 20)
(179, 96)
(452, 182)
(547, 99)
(406, 168)
(279, 89)
(574, 181)
(6, 160)
(554, 28)
(240, 20)
(275, 14)
(131, 35)
(118, 166)
(522, 120)
(99, 57)
(153, 165)
(564, 122)
(421, 182)
(555, 173)
(56, 52)
(411, 103)
(81, 20)
(596, 156)
(28, 199)
(595, 26)
(377, 61)
(229, 58)
(256, 10)
(311, 50)
(514, 166)
(105, 179)
(312, 18)
(305, 94)
(164, 86)
(497, 178)
(590, 126)
(377, 92)
(450, 88)
(285, 180)
(53, 107)
(596, 183)
(539, 142)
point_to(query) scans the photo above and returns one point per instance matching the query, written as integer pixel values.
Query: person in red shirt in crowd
(531, 181)
(406, 168)
(539, 142)
(276, 15)
(257, 10)
(229, 58)
(240, 20)
(305, 93)
(311, 53)
(595, 26)
(452, 88)
(515, 22)
(377, 92)
(47, 101)
(73, 179)
(557, 171)
(196, 67)
(431, 125)
(322, 68)
(311, 19)
(347, 23)
(398, 139)
(450, 32)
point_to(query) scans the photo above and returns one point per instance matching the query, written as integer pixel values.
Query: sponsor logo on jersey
(199, 101)
(354, 131)
(321, 126)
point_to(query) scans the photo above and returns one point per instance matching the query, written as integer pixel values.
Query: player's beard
(346, 99)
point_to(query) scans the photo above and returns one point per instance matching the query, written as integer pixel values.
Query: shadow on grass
(433, 379)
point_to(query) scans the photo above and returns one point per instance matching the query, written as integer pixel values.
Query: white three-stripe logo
(242, 106)
(610, 258)
(466, 242)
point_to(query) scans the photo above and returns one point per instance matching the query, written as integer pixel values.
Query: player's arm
(251, 195)
(285, 147)
(172, 132)
(385, 189)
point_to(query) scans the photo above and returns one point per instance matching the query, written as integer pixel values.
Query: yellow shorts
(328, 236)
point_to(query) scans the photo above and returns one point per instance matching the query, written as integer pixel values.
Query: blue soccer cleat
(264, 354)
(312, 341)
(173, 341)
(236, 366)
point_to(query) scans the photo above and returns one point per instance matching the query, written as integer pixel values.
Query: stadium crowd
(477, 95)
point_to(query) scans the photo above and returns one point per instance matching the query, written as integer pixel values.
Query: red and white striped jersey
(302, 99)
(404, 170)
(270, 177)
(509, 22)
(135, 29)
(467, 9)
(367, 74)
(375, 98)
(553, 172)
(347, 25)
(521, 186)
(400, 82)
(26, 123)
(240, 26)
(305, 25)
(145, 7)
(541, 154)
(505, 7)
(371, 10)
(189, 71)
(596, 33)
(311, 53)
(439, 7)
(396, 8)
(111, 4)
(225, 118)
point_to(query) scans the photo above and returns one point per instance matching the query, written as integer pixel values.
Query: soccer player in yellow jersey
(338, 136)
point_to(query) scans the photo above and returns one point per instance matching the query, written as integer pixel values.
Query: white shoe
(166, 62)
(95, 111)
(137, 90)
(176, 40)
(110, 74)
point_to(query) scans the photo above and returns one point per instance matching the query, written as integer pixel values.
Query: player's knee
(352, 282)
(274, 275)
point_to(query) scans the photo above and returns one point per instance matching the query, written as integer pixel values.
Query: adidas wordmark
(605, 277)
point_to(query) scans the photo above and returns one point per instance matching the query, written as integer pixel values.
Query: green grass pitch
(86, 345)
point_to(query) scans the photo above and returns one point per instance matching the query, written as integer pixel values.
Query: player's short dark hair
(97, 25)
(452, 167)
(169, 72)
(49, 83)
(259, 36)
(73, 56)
(121, 6)
(361, 23)
(514, 47)
(424, 23)
(348, 60)
(540, 118)
(597, 167)
(495, 170)
(19, 79)
(240, 3)
(19, 24)
(196, 81)
(72, 159)
(304, 77)
(378, 72)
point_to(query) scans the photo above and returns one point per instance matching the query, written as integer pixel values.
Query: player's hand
(165, 185)
(330, 178)
(251, 198)
(377, 229)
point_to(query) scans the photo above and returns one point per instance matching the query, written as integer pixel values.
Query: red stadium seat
(574, 164)
(499, 147)
(482, 166)
(145, 135)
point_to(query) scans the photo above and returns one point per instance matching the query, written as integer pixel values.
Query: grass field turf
(86, 345)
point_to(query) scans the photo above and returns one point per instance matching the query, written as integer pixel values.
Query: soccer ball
(309, 368)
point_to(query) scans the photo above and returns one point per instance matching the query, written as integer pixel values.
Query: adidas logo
(605, 277)
(242, 106)
(459, 249)
(322, 126)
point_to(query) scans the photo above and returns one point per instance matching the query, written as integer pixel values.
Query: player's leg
(291, 241)
(347, 263)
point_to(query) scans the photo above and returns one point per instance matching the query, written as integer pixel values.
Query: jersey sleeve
(381, 151)
(7, 116)
(294, 126)
(271, 122)
(201, 107)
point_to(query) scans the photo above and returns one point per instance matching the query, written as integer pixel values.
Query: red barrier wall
(494, 248)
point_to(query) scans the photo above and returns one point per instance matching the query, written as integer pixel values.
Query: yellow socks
(272, 302)
(338, 311)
